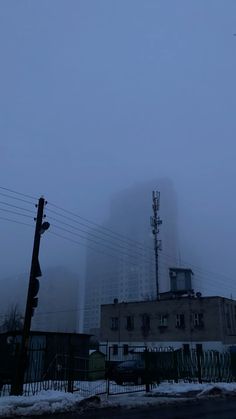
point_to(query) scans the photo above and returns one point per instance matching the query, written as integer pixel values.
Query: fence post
(218, 364)
(233, 364)
(199, 368)
(70, 369)
(147, 365)
(176, 372)
(108, 369)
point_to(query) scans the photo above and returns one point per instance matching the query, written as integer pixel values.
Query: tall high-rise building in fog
(124, 267)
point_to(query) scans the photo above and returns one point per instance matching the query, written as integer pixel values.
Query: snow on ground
(44, 402)
(176, 389)
(49, 402)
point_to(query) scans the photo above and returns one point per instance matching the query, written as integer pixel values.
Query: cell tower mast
(155, 223)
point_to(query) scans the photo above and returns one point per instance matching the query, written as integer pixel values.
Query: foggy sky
(97, 95)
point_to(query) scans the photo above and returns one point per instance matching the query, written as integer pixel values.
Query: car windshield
(131, 364)
(127, 364)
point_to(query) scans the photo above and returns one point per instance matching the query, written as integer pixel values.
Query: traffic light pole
(18, 382)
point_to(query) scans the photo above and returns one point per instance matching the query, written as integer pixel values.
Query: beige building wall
(206, 320)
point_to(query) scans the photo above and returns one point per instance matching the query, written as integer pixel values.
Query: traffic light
(35, 288)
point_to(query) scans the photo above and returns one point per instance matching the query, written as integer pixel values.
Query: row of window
(125, 348)
(196, 319)
(116, 347)
(230, 316)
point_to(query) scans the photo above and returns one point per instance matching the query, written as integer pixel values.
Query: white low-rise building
(172, 322)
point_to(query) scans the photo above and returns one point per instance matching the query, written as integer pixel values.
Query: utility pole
(31, 302)
(155, 222)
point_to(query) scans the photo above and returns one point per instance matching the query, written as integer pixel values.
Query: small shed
(51, 355)
(180, 280)
(96, 365)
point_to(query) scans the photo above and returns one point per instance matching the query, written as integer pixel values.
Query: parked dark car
(132, 371)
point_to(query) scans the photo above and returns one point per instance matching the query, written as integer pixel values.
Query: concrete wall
(218, 315)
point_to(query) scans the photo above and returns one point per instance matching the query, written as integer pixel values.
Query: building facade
(171, 322)
(126, 269)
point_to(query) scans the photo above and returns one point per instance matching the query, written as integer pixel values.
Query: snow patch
(45, 402)
(49, 402)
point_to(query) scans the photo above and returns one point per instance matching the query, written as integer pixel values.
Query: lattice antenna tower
(155, 223)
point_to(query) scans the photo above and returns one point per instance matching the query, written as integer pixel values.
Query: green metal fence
(67, 372)
(205, 366)
(178, 365)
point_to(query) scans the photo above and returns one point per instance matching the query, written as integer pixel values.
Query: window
(199, 348)
(198, 320)
(145, 323)
(130, 322)
(228, 319)
(180, 322)
(114, 323)
(115, 349)
(125, 349)
(163, 319)
(186, 348)
(181, 281)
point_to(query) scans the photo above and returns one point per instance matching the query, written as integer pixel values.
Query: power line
(16, 198)
(195, 267)
(16, 206)
(179, 301)
(81, 244)
(170, 257)
(17, 222)
(58, 311)
(49, 312)
(18, 193)
(162, 262)
(97, 225)
(136, 243)
(96, 242)
(16, 213)
(95, 236)
(111, 236)
(90, 248)
(211, 282)
(200, 276)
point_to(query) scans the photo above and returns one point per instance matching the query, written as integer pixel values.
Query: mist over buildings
(59, 297)
(99, 99)
(126, 271)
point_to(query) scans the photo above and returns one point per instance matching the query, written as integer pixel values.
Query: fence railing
(148, 367)
(129, 369)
